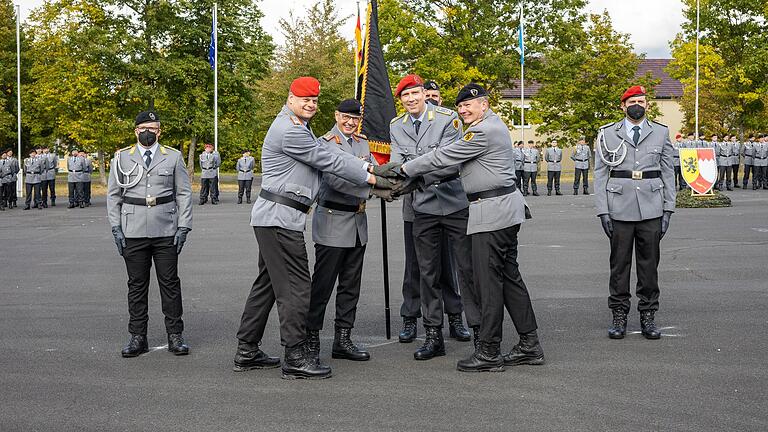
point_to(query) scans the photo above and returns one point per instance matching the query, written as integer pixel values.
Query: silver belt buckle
(637, 175)
(361, 207)
(151, 201)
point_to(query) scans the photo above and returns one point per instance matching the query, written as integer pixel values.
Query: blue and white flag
(212, 46)
(520, 37)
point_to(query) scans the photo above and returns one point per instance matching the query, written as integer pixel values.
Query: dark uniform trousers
(735, 169)
(242, 186)
(724, 173)
(529, 178)
(759, 179)
(33, 189)
(519, 179)
(679, 180)
(209, 185)
(748, 169)
(48, 185)
(283, 277)
(553, 176)
(346, 264)
(499, 284)
(411, 307)
(579, 175)
(87, 192)
(76, 193)
(645, 237)
(9, 193)
(138, 255)
(428, 233)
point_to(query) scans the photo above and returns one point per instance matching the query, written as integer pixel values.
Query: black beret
(146, 117)
(469, 92)
(350, 106)
(431, 85)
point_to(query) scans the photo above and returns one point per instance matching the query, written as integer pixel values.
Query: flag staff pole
(697, 71)
(215, 78)
(522, 78)
(20, 178)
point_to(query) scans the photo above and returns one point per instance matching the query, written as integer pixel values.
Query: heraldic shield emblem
(699, 169)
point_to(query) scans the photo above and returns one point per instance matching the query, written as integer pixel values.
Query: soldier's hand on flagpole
(665, 223)
(607, 224)
(385, 194)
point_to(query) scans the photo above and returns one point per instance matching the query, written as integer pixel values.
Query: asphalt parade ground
(63, 321)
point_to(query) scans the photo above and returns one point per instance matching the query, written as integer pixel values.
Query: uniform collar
(421, 117)
(143, 150)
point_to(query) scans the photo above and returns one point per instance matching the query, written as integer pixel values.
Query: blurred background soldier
(33, 170)
(676, 146)
(530, 168)
(48, 181)
(519, 162)
(554, 157)
(11, 185)
(244, 168)
(5, 174)
(735, 159)
(749, 160)
(432, 93)
(210, 161)
(761, 164)
(85, 177)
(580, 156)
(723, 151)
(75, 168)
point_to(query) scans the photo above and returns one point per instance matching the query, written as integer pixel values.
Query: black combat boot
(575, 191)
(248, 199)
(136, 346)
(476, 337)
(313, 343)
(619, 327)
(433, 345)
(557, 192)
(71, 205)
(176, 344)
(250, 356)
(648, 325)
(239, 200)
(456, 328)
(485, 359)
(299, 363)
(535, 193)
(586, 191)
(528, 351)
(343, 348)
(53, 202)
(26, 207)
(82, 205)
(549, 192)
(408, 334)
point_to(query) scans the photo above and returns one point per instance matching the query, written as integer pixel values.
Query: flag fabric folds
(520, 38)
(212, 46)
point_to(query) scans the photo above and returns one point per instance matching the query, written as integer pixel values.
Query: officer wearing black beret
(432, 93)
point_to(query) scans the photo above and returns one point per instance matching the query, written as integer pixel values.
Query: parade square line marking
(660, 328)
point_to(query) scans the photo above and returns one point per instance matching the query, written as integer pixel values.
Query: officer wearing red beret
(635, 197)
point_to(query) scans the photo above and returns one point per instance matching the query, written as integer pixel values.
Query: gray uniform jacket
(33, 170)
(581, 156)
(530, 160)
(52, 166)
(554, 158)
(245, 167)
(723, 150)
(209, 164)
(166, 175)
(761, 154)
(75, 167)
(335, 227)
(14, 165)
(487, 163)
(735, 152)
(291, 162)
(518, 152)
(87, 170)
(626, 199)
(676, 146)
(5, 171)
(749, 153)
(440, 127)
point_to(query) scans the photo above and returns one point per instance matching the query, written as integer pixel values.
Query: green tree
(8, 88)
(581, 85)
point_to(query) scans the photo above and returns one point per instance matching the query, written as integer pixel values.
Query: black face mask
(635, 112)
(433, 101)
(147, 138)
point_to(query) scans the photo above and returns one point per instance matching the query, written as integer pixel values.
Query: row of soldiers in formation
(730, 153)
(40, 170)
(210, 162)
(527, 158)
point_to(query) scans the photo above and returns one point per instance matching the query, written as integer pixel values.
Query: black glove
(384, 183)
(407, 186)
(665, 223)
(385, 194)
(117, 233)
(607, 225)
(390, 170)
(180, 238)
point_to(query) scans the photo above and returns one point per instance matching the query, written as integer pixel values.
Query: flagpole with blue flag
(522, 75)
(213, 59)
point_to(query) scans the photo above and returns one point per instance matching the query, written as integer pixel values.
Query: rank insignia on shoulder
(296, 121)
(162, 150)
(430, 115)
(397, 118)
(468, 136)
(359, 136)
(444, 111)
(455, 124)
(329, 136)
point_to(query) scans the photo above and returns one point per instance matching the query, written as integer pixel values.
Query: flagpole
(20, 178)
(697, 71)
(215, 78)
(522, 78)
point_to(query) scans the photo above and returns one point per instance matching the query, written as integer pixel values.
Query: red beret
(633, 91)
(305, 87)
(679, 135)
(407, 82)
(208, 145)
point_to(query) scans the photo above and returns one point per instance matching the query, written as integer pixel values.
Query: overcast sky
(651, 24)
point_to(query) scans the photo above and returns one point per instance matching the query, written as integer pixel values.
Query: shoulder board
(296, 121)
(329, 136)
(444, 111)
(430, 115)
(359, 135)
(607, 125)
(660, 124)
(125, 149)
(468, 136)
(170, 149)
(398, 118)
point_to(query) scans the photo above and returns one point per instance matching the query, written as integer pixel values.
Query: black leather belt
(244, 171)
(581, 160)
(636, 175)
(758, 157)
(149, 202)
(275, 198)
(491, 193)
(343, 207)
(76, 171)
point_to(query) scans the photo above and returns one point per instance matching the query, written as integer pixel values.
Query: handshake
(391, 181)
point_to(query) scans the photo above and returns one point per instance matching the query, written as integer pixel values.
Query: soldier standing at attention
(735, 160)
(676, 146)
(33, 170)
(519, 162)
(209, 177)
(749, 160)
(723, 151)
(530, 168)
(497, 210)
(13, 163)
(635, 198)
(149, 205)
(761, 164)
(292, 161)
(244, 168)
(48, 178)
(5, 173)
(580, 157)
(85, 178)
(554, 158)
(440, 213)
(75, 169)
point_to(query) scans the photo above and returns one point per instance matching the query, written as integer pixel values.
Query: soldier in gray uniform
(85, 177)
(676, 146)
(292, 161)
(244, 168)
(440, 210)
(48, 182)
(149, 206)
(496, 211)
(13, 164)
(554, 157)
(530, 168)
(761, 164)
(723, 151)
(340, 233)
(580, 157)
(75, 168)
(519, 162)
(210, 161)
(735, 160)
(748, 151)
(33, 170)
(635, 198)
(5, 173)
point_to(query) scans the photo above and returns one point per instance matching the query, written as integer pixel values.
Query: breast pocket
(655, 153)
(167, 176)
